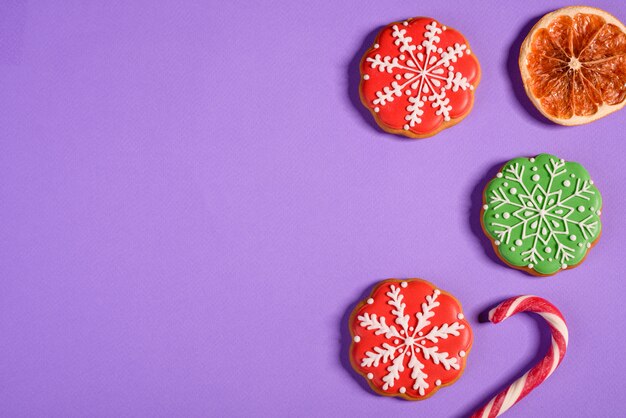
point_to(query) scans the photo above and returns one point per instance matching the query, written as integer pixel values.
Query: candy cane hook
(540, 372)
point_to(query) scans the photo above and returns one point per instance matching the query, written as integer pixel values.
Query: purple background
(193, 200)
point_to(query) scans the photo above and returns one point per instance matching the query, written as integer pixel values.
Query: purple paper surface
(193, 200)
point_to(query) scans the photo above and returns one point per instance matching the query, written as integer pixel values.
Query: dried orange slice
(573, 65)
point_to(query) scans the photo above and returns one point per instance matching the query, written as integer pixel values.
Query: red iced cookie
(409, 339)
(419, 77)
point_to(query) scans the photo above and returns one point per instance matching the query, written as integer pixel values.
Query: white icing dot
(402, 56)
(357, 338)
(402, 331)
(532, 160)
(462, 353)
(562, 160)
(567, 183)
(411, 328)
(469, 52)
(497, 242)
(485, 207)
(444, 27)
(581, 208)
(497, 215)
(534, 168)
(439, 50)
(548, 250)
(599, 213)
(572, 237)
(398, 77)
(471, 87)
(404, 284)
(460, 316)
(451, 68)
(564, 266)
(499, 175)
(420, 333)
(531, 265)
(536, 177)
(437, 292)
(518, 242)
(506, 215)
(437, 382)
(572, 175)
(506, 184)
(550, 259)
(513, 190)
(366, 77)
(588, 245)
(405, 23)
(402, 389)
(590, 181)
(377, 109)
(512, 248)
(376, 46)
(370, 376)
(406, 127)
(370, 301)
(408, 92)
(396, 341)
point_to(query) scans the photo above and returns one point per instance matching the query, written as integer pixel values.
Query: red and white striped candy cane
(540, 372)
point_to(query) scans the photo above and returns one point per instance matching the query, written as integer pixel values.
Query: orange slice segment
(573, 65)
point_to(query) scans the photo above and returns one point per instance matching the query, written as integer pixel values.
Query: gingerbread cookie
(542, 214)
(409, 339)
(419, 77)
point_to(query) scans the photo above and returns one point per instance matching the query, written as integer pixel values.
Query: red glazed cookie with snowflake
(409, 339)
(419, 77)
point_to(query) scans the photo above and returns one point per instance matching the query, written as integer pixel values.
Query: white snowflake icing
(424, 72)
(406, 344)
(542, 215)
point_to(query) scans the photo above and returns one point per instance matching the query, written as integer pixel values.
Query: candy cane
(540, 372)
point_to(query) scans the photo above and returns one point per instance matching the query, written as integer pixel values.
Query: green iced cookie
(542, 214)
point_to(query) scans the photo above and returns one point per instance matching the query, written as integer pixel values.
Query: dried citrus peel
(573, 65)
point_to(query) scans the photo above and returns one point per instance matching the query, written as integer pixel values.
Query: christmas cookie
(419, 77)
(409, 339)
(542, 214)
